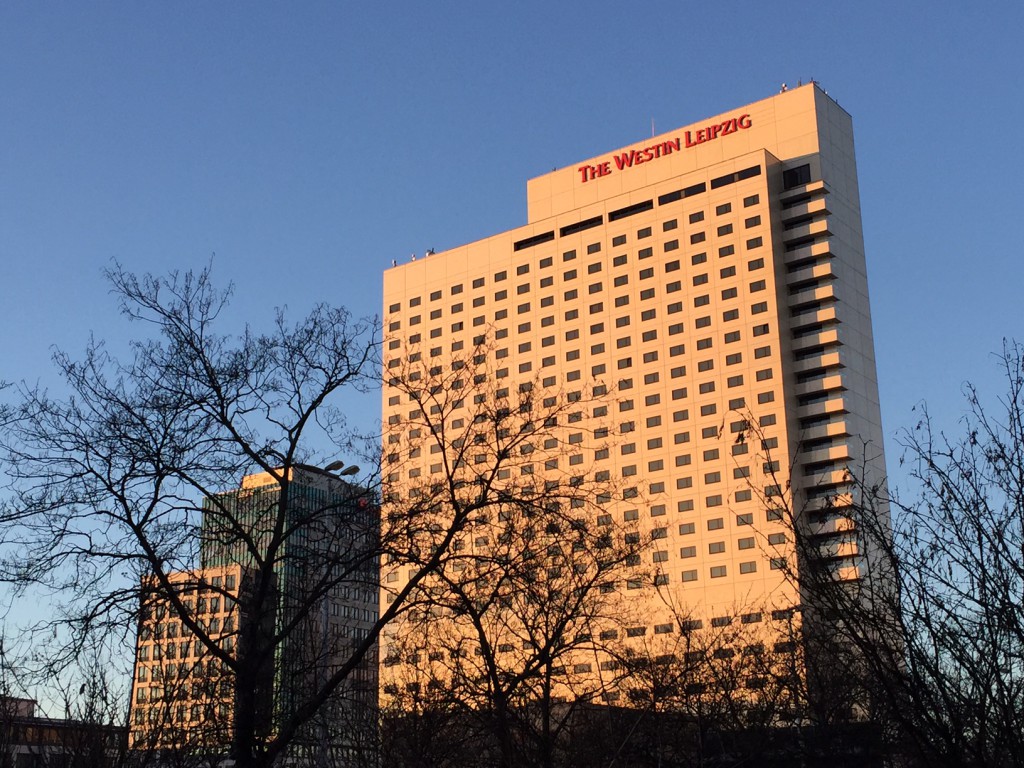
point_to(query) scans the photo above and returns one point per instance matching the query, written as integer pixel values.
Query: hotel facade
(712, 281)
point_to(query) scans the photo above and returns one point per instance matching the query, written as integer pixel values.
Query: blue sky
(309, 144)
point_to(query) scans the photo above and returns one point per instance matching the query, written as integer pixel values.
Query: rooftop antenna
(652, 127)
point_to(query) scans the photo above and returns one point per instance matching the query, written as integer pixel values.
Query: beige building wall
(718, 288)
(181, 694)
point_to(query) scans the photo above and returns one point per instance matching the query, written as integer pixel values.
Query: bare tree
(931, 630)
(118, 487)
(729, 691)
(424, 724)
(514, 628)
(510, 623)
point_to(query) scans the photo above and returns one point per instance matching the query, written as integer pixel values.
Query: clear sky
(307, 144)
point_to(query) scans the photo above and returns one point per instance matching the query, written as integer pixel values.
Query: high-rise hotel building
(713, 279)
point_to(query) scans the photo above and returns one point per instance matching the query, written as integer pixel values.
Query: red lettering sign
(713, 132)
(636, 157)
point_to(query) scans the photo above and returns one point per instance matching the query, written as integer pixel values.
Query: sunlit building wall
(712, 279)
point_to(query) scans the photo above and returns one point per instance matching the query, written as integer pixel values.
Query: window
(718, 571)
(795, 177)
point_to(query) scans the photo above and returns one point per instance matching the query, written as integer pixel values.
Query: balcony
(834, 404)
(839, 453)
(824, 337)
(820, 315)
(812, 272)
(839, 499)
(837, 548)
(808, 191)
(813, 206)
(830, 382)
(813, 250)
(826, 476)
(809, 232)
(812, 293)
(834, 525)
(829, 358)
(832, 429)
(842, 570)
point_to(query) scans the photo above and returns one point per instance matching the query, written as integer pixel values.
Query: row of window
(593, 288)
(665, 199)
(199, 668)
(648, 294)
(730, 292)
(598, 370)
(669, 225)
(595, 268)
(573, 334)
(196, 713)
(619, 240)
(721, 571)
